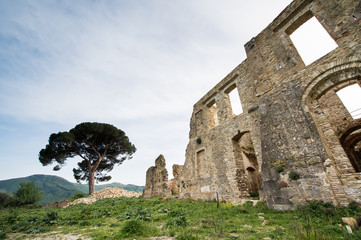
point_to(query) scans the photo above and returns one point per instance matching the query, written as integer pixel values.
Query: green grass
(130, 218)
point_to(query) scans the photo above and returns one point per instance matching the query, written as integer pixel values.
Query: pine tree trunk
(91, 182)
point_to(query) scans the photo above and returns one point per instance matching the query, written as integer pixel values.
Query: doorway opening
(247, 171)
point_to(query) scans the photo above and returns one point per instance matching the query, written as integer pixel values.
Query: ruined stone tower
(295, 140)
(156, 182)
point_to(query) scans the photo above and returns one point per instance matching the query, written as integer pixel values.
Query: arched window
(351, 99)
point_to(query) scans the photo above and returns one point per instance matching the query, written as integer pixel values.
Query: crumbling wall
(292, 124)
(156, 182)
(177, 170)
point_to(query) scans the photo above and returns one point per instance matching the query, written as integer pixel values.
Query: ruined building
(295, 140)
(156, 182)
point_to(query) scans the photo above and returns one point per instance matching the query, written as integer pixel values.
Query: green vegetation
(5, 199)
(28, 193)
(130, 218)
(55, 188)
(293, 175)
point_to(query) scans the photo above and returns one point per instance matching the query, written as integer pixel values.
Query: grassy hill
(178, 219)
(56, 188)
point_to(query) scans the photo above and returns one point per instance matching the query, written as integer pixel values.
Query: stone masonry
(293, 123)
(156, 182)
(175, 182)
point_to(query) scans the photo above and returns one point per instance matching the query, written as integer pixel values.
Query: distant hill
(56, 188)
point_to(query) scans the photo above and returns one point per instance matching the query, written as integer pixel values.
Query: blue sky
(137, 64)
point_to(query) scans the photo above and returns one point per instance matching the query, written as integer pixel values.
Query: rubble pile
(105, 193)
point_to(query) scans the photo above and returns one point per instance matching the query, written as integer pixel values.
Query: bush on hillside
(28, 193)
(5, 199)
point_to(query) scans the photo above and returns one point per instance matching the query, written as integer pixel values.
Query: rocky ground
(49, 236)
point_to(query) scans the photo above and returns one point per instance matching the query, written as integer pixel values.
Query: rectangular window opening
(201, 163)
(351, 99)
(312, 41)
(236, 104)
(213, 121)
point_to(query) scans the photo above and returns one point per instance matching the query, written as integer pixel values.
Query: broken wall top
(160, 162)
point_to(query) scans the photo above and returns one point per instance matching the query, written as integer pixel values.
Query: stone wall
(157, 180)
(292, 122)
(177, 171)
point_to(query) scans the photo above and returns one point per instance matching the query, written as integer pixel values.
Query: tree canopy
(100, 146)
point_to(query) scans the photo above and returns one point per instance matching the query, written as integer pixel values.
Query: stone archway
(335, 125)
(351, 143)
(328, 112)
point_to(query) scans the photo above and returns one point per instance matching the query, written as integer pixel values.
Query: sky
(139, 65)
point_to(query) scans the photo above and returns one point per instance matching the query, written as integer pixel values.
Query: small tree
(4, 199)
(100, 146)
(28, 193)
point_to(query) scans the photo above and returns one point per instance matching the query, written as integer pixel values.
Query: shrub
(318, 209)
(85, 212)
(5, 198)
(2, 235)
(101, 213)
(71, 222)
(176, 213)
(176, 218)
(30, 225)
(293, 175)
(176, 222)
(137, 213)
(84, 223)
(12, 217)
(353, 206)
(32, 219)
(163, 210)
(133, 227)
(50, 218)
(27, 193)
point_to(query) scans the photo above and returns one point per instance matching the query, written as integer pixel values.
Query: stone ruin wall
(157, 183)
(175, 182)
(292, 119)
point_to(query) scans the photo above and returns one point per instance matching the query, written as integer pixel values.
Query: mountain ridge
(56, 188)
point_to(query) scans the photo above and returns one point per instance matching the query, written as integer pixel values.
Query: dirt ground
(47, 236)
